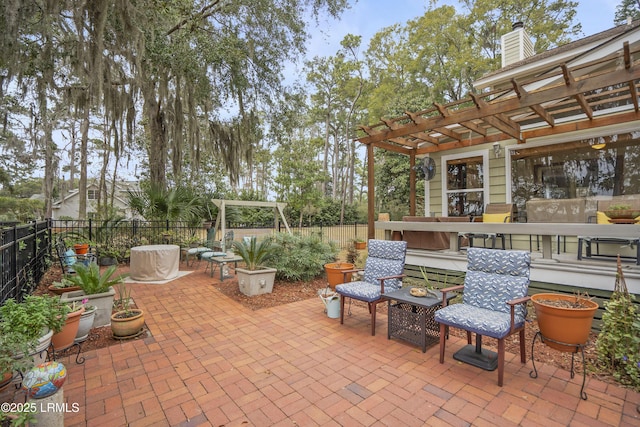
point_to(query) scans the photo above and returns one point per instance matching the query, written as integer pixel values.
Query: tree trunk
(157, 148)
(84, 153)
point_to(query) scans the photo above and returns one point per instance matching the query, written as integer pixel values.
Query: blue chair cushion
(482, 321)
(70, 257)
(385, 258)
(198, 250)
(364, 291)
(208, 255)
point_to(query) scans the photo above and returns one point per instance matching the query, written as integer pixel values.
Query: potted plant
(360, 244)
(65, 337)
(97, 287)
(622, 213)
(126, 322)
(63, 286)
(255, 278)
(29, 325)
(564, 319)
(338, 273)
(86, 321)
(107, 256)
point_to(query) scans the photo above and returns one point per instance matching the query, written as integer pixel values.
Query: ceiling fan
(427, 168)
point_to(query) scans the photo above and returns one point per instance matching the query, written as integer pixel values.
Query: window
(465, 184)
(93, 194)
(603, 166)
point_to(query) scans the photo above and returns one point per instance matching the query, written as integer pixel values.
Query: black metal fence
(24, 254)
(25, 250)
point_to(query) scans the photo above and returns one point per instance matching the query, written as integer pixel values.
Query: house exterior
(68, 206)
(556, 134)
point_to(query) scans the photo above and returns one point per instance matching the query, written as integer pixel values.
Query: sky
(366, 17)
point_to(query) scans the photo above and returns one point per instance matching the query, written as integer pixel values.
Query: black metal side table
(411, 318)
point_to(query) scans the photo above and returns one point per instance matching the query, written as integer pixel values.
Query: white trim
(443, 168)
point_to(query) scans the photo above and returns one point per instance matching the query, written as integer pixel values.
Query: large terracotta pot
(124, 326)
(65, 337)
(335, 275)
(563, 324)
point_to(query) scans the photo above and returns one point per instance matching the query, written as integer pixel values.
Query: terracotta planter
(65, 337)
(563, 324)
(361, 245)
(60, 291)
(335, 275)
(127, 327)
(81, 248)
(5, 380)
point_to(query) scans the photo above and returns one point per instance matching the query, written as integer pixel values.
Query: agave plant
(254, 253)
(91, 281)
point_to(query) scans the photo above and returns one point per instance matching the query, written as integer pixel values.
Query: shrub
(301, 257)
(618, 344)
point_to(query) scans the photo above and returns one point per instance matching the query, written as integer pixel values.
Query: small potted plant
(86, 321)
(622, 212)
(63, 286)
(126, 321)
(107, 256)
(255, 278)
(360, 244)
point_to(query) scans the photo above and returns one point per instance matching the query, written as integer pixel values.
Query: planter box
(256, 282)
(103, 303)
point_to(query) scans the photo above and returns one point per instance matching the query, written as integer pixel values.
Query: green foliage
(23, 210)
(33, 316)
(91, 281)
(627, 9)
(618, 344)
(254, 253)
(301, 257)
(123, 301)
(22, 324)
(182, 203)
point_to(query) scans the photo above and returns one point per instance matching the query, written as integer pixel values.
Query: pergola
(575, 95)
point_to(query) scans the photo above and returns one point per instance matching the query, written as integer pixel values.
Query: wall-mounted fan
(426, 168)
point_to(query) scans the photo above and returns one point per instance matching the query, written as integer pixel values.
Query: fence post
(90, 229)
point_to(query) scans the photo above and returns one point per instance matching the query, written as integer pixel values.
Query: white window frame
(443, 167)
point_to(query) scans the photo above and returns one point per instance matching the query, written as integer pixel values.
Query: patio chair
(67, 258)
(383, 272)
(494, 296)
(493, 213)
(213, 248)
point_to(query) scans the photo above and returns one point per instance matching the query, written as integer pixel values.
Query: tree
(627, 9)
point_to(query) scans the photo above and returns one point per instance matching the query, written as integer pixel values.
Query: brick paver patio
(212, 362)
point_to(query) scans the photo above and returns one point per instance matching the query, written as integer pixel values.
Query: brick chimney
(516, 45)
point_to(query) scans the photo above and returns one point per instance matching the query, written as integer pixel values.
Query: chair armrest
(345, 272)
(449, 289)
(512, 305)
(382, 279)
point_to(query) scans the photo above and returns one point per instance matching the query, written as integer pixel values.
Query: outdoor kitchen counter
(545, 230)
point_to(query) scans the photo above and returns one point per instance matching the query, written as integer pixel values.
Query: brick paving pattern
(212, 362)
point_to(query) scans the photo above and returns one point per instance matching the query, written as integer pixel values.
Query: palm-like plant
(89, 279)
(254, 253)
(179, 203)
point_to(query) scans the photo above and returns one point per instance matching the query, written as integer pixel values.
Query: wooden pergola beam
(508, 105)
